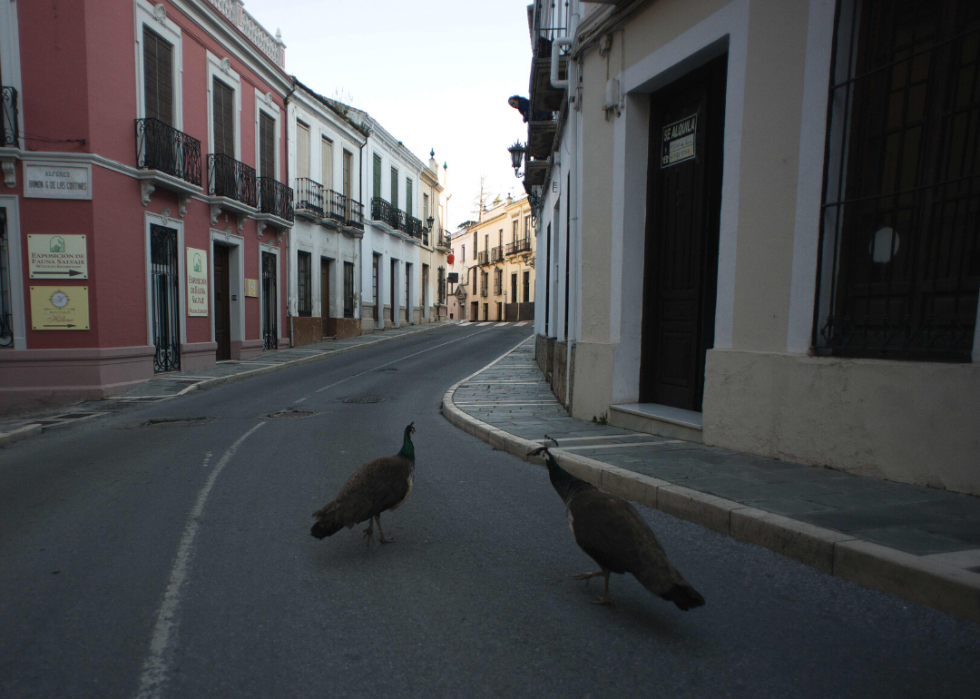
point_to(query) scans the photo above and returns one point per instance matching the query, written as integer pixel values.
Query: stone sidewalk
(170, 385)
(920, 543)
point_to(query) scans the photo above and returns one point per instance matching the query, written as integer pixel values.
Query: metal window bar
(348, 290)
(899, 250)
(6, 303)
(11, 126)
(336, 206)
(166, 299)
(164, 148)
(230, 178)
(270, 324)
(276, 198)
(355, 214)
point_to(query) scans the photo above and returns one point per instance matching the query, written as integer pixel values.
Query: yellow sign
(197, 282)
(57, 256)
(59, 307)
(252, 287)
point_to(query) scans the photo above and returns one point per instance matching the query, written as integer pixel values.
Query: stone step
(661, 420)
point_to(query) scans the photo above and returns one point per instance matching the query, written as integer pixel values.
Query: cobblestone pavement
(512, 396)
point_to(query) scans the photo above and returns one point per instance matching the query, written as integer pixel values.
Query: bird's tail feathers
(684, 596)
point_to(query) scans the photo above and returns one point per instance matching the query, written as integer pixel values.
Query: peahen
(379, 485)
(611, 531)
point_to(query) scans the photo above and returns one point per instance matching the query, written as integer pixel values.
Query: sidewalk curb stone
(930, 583)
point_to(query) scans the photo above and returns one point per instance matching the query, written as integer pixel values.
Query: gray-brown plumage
(612, 532)
(379, 485)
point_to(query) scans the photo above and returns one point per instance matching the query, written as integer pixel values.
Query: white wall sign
(57, 181)
(197, 282)
(678, 144)
(53, 256)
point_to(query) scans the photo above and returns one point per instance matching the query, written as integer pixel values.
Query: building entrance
(681, 250)
(222, 303)
(166, 298)
(270, 325)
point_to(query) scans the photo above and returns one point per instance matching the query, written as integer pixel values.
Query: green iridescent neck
(408, 449)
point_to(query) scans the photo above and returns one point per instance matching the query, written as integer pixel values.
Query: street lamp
(430, 221)
(517, 152)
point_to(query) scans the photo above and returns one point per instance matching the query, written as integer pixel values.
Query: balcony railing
(355, 214)
(275, 198)
(230, 178)
(442, 241)
(410, 225)
(11, 128)
(496, 254)
(336, 206)
(482, 258)
(309, 196)
(520, 245)
(425, 236)
(164, 148)
(384, 212)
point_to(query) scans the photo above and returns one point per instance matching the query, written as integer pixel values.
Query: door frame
(273, 250)
(724, 31)
(236, 285)
(178, 225)
(11, 203)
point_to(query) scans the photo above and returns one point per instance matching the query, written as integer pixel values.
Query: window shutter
(377, 176)
(408, 196)
(394, 187)
(224, 121)
(302, 150)
(158, 87)
(348, 160)
(267, 141)
(326, 163)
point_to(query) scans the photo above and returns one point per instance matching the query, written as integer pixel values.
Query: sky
(435, 74)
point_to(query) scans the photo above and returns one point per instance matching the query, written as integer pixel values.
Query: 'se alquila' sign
(678, 141)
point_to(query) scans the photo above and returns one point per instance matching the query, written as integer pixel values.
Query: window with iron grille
(304, 283)
(899, 267)
(6, 302)
(348, 290)
(441, 289)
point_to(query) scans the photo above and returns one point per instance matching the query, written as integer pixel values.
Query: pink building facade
(144, 206)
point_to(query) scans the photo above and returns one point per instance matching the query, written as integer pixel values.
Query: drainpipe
(566, 40)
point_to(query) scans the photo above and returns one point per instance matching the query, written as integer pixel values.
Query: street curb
(19, 434)
(931, 583)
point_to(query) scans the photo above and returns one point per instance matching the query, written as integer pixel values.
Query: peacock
(613, 534)
(379, 485)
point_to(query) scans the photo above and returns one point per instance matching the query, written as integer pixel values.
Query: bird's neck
(565, 483)
(408, 449)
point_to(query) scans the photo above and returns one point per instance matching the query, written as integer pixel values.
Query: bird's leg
(605, 599)
(587, 576)
(369, 533)
(377, 518)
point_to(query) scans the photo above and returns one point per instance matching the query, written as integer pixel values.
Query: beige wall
(907, 421)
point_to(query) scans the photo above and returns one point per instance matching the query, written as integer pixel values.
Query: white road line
(500, 325)
(300, 400)
(395, 361)
(523, 322)
(482, 324)
(156, 666)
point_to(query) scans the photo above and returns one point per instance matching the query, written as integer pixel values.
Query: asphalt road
(176, 561)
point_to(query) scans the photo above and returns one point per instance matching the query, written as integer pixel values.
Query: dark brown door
(222, 303)
(393, 293)
(681, 249)
(324, 291)
(267, 146)
(374, 282)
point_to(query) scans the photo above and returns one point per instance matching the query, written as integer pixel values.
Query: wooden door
(681, 250)
(393, 293)
(374, 282)
(222, 303)
(267, 146)
(324, 292)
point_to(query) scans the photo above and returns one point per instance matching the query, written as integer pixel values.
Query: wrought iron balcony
(230, 178)
(11, 128)
(442, 241)
(355, 214)
(309, 196)
(384, 212)
(336, 206)
(164, 148)
(410, 225)
(518, 246)
(482, 258)
(275, 198)
(496, 254)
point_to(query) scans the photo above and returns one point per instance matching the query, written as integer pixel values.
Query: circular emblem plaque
(59, 299)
